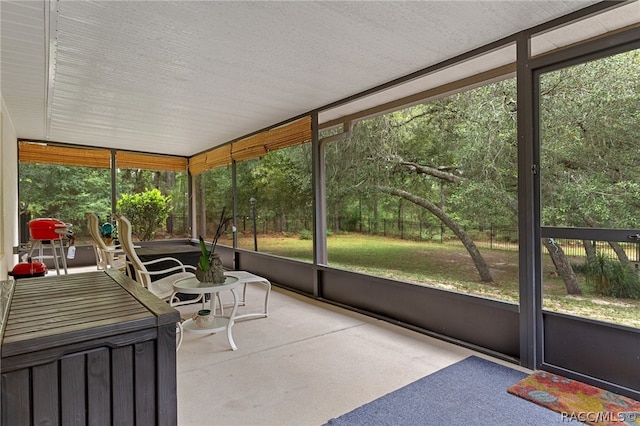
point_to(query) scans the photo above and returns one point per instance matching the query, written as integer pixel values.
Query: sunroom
(464, 170)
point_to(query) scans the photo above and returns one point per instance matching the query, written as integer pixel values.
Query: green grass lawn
(448, 266)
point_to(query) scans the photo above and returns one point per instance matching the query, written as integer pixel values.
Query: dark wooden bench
(87, 349)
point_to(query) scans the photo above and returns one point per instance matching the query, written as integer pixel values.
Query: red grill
(29, 269)
(47, 229)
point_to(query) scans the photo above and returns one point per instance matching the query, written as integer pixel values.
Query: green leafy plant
(611, 278)
(205, 254)
(305, 234)
(147, 211)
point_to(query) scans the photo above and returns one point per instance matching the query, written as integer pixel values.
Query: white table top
(192, 285)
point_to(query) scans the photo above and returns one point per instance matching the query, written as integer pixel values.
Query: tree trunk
(376, 216)
(622, 256)
(589, 250)
(478, 260)
(400, 216)
(563, 266)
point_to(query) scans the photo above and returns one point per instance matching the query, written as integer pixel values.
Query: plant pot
(215, 274)
(203, 318)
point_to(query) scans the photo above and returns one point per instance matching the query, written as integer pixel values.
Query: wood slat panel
(73, 392)
(40, 153)
(6, 296)
(164, 313)
(62, 310)
(134, 160)
(68, 334)
(99, 385)
(58, 323)
(12, 363)
(15, 393)
(122, 386)
(145, 361)
(166, 382)
(45, 394)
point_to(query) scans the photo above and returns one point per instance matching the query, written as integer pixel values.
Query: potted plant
(209, 268)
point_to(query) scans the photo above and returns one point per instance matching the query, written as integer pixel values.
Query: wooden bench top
(46, 312)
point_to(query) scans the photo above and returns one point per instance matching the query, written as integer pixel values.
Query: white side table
(247, 277)
(191, 285)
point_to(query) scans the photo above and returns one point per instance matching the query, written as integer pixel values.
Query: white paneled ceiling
(182, 77)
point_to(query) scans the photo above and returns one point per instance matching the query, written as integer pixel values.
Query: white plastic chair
(162, 287)
(106, 256)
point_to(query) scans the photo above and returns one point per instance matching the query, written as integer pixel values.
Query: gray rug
(470, 392)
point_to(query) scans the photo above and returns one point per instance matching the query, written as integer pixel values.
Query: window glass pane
(275, 192)
(428, 194)
(605, 275)
(589, 178)
(65, 193)
(156, 203)
(589, 127)
(213, 195)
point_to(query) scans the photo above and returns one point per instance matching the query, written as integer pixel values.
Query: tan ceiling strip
(210, 160)
(133, 160)
(251, 147)
(40, 153)
(295, 133)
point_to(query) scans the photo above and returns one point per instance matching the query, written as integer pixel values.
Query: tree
(283, 183)
(65, 193)
(588, 147)
(467, 241)
(562, 265)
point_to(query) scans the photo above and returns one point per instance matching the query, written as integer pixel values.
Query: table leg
(231, 319)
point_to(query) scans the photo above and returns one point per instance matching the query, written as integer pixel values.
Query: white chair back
(126, 241)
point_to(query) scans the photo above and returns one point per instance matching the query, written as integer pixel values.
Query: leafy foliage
(146, 211)
(206, 255)
(611, 278)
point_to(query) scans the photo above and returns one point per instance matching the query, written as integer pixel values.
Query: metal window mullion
(528, 212)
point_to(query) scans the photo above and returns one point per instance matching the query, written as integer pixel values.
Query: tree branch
(426, 170)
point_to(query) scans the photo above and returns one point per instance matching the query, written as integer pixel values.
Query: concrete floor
(306, 363)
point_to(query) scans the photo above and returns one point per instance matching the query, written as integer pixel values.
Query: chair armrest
(163, 259)
(172, 269)
(114, 250)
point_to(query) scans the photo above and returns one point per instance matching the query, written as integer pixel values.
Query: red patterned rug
(577, 401)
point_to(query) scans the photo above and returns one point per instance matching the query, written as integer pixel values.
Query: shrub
(147, 211)
(305, 234)
(611, 278)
